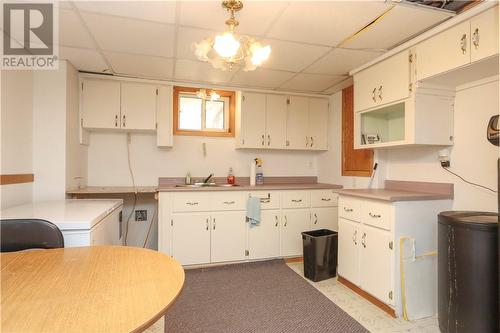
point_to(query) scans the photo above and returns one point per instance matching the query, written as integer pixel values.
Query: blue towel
(253, 210)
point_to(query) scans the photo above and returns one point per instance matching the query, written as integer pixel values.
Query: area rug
(254, 297)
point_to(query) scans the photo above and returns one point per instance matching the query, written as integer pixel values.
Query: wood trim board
(16, 178)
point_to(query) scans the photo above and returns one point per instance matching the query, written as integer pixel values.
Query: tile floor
(367, 314)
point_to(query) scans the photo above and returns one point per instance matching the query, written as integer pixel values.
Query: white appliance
(83, 222)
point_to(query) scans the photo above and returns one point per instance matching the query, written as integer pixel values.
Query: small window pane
(190, 113)
(214, 115)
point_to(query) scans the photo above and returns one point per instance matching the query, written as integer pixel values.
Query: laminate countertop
(265, 187)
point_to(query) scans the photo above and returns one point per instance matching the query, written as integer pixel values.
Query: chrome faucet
(208, 178)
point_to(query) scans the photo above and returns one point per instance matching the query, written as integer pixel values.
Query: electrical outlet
(141, 215)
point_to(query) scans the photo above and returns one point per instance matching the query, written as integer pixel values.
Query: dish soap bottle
(187, 181)
(230, 177)
(259, 175)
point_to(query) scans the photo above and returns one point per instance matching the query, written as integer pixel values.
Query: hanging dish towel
(253, 210)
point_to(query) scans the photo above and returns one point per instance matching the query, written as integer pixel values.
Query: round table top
(87, 289)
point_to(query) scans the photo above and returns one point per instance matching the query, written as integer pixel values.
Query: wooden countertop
(87, 289)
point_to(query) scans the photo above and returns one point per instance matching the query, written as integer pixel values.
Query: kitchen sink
(195, 185)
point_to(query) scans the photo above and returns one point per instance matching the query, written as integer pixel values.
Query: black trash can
(468, 271)
(320, 254)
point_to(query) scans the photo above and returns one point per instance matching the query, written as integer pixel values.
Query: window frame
(178, 91)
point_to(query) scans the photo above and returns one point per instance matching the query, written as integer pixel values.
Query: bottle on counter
(187, 180)
(259, 174)
(230, 177)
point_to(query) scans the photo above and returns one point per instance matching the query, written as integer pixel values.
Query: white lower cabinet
(264, 238)
(228, 236)
(324, 218)
(189, 229)
(293, 223)
(348, 249)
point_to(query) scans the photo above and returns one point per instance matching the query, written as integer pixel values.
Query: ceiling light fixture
(228, 49)
(202, 94)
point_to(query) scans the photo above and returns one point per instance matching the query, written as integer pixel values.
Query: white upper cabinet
(100, 103)
(383, 83)
(484, 35)
(276, 121)
(253, 120)
(138, 106)
(318, 123)
(297, 136)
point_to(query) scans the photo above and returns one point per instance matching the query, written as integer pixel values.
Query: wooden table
(87, 289)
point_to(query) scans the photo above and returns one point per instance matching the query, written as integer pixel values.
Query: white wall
(472, 156)
(16, 134)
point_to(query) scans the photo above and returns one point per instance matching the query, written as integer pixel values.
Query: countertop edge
(409, 196)
(265, 187)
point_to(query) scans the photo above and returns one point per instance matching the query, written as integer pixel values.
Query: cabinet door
(276, 121)
(318, 123)
(447, 50)
(138, 106)
(365, 89)
(293, 223)
(375, 263)
(394, 78)
(191, 238)
(348, 250)
(228, 240)
(324, 218)
(297, 131)
(253, 120)
(484, 34)
(100, 102)
(264, 238)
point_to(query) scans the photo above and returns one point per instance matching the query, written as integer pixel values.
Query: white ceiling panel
(341, 61)
(139, 65)
(159, 11)
(131, 36)
(63, 4)
(83, 59)
(186, 37)
(325, 22)
(312, 82)
(71, 30)
(396, 27)
(200, 71)
(255, 17)
(261, 78)
(293, 57)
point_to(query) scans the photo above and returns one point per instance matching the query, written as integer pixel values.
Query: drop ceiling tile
(339, 86)
(200, 71)
(131, 36)
(292, 57)
(394, 27)
(72, 31)
(312, 82)
(325, 22)
(158, 11)
(341, 61)
(185, 39)
(139, 65)
(255, 17)
(83, 59)
(261, 78)
(63, 4)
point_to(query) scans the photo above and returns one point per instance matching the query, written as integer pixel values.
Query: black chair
(23, 234)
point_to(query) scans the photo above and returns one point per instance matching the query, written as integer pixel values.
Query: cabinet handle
(262, 142)
(475, 38)
(326, 199)
(312, 141)
(380, 92)
(348, 209)
(463, 43)
(191, 203)
(373, 94)
(123, 122)
(355, 237)
(276, 218)
(286, 221)
(214, 224)
(268, 140)
(307, 141)
(207, 224)
(376, 216)
(295, 200)
(116, 120)
(363, 240)
(229, 202)
(316, 218)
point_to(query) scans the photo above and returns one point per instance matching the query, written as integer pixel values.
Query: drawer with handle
(233, 200)
(268, 199)
(191, 202)
(377, 213)
(350, 208)
(295, 199)
(324, 198)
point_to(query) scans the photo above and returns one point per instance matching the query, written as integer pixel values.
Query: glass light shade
(259, 53)
(226, 45)
(214, 96)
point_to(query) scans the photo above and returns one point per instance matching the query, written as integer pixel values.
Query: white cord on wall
(129, 139)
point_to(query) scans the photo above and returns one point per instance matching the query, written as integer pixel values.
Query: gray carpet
(254, 297)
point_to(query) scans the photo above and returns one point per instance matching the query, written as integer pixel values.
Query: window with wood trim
(357, 162)
(195, 114)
